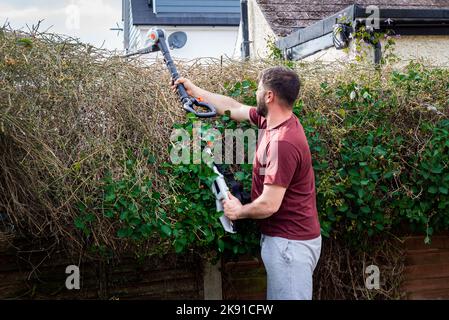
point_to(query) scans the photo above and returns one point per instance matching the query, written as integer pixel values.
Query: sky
(88, 20)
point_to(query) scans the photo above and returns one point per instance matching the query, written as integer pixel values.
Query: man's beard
(262, 109)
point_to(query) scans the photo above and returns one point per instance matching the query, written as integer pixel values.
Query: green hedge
(380, 160)
(84, 141)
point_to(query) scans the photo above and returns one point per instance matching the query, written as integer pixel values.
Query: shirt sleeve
(281, 164)
(255, 117)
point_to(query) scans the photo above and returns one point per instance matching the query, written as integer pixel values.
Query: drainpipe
(244, 22)
(377, 52)
(377, 49)
(126, 23)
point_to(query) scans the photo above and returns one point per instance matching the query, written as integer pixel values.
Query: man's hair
(283, 82)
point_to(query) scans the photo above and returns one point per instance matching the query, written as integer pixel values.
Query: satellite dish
(177, 40)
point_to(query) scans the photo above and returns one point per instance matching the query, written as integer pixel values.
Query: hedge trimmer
(156, 42)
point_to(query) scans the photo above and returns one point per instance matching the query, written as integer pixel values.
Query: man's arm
(239, 112)
(263, 207)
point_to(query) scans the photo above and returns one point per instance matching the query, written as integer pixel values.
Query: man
(283, 183)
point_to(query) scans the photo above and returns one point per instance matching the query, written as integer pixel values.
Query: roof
(286, 16)
(318, 36)
(216, 13)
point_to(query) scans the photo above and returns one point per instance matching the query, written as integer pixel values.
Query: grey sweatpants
(289, 265)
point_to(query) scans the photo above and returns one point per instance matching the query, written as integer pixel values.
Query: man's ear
(269, 96)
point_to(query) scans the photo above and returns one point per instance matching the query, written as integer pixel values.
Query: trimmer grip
(182, 91)
(206, 114)
(220, 190)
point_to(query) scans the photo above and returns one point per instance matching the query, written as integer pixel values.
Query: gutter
(317, 37)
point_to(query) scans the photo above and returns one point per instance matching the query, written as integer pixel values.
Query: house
(211, 26)
(306, 30)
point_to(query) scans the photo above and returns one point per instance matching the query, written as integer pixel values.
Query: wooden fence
(33, 273)
(427, 268)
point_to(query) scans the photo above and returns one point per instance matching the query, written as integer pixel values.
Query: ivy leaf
(81, 206)
(79, 223)
(129, 163)
(166, 230)
(361, 193)
(110, 197)
(124, 215)
(221, 245)
(344, 207)
(364, 182)
(156, 195)
(25, 42)
(180, 244)
(443, 190)
(388, 175)
(366, 95)
(324, 85)
(109, 213)
(151, 159)
(433, 189)
(351, 215)
(366, 150)
(437, 169)
(365, 209)
(123, 233)
(240, 176)
(246, 84)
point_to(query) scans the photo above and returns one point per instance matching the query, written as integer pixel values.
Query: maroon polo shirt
(283, 158)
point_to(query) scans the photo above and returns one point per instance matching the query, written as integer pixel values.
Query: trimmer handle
(188, 104)
(157, 37)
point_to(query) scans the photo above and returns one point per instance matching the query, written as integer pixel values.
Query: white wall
(202, 42)
(259, 31)
(133, 33)
(433, 50)
(333, 55)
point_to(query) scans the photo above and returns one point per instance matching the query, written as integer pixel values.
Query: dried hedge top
(82, 130)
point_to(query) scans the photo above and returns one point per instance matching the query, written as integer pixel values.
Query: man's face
(262, 108)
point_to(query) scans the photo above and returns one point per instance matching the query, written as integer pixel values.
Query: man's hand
(232, 207)
(191, 89)
(262, 207)
(239, 112)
